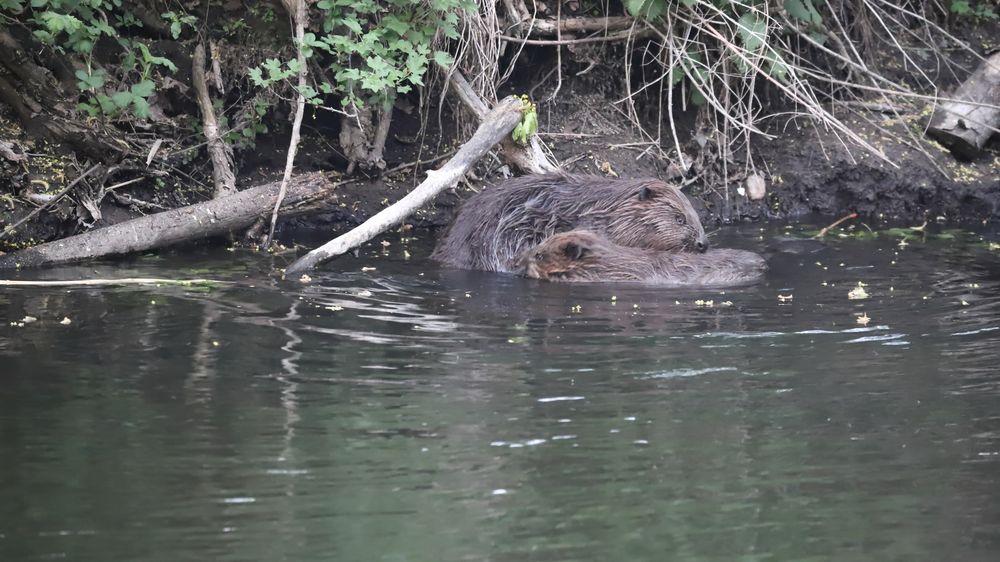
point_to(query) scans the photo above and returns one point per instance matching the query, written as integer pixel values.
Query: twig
(834, 224)
(129, 200)
(103, 282)
(298, 11)
(8, 230)
(416, 163)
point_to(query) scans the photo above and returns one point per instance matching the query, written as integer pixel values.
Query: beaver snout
(701, 245)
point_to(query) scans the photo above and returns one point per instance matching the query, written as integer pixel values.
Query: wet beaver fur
(496, 225)
(580, 256)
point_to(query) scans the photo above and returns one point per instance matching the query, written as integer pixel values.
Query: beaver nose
(701, 245)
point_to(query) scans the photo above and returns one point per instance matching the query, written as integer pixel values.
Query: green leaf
(803, 10)
(648, 9)
(753, 31)
(778, 67)
(443, 58)
(395, 24)
(122, 99)
(13, 6)
(143, 89)
(256, 77)
(90, 81)
(352, 24)
(141, 108)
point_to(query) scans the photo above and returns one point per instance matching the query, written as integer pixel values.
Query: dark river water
(409, 413)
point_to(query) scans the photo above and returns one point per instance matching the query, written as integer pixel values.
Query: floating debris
(858, 292)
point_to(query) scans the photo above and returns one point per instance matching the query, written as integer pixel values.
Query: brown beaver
(498, 224)
(580, 256)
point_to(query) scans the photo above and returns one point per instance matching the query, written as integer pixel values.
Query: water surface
(410, 413)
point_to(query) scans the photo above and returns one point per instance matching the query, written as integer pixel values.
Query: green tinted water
(415, 414)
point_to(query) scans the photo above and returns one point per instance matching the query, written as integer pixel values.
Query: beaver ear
(646, 193)
(575, 251)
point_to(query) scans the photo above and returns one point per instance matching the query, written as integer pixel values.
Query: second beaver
(498, 224)
(580, 256)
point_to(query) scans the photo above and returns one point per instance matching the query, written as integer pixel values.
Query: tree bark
(219, 151)
(964, 125)
(306, 193)
(496, 126)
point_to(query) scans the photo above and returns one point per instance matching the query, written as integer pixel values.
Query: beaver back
(496, 225)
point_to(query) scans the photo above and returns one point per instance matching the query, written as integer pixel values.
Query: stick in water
(834, 224)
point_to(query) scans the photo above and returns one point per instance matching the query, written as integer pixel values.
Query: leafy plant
(74, 27)
(178, 21)
(373, 50)
(529, 122)
(966, 8)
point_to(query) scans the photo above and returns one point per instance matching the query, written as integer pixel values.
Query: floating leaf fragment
(785, 298)
(66, 321)
(863, 319)
(858, 292)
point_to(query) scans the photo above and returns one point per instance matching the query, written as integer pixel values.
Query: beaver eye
(681, 220)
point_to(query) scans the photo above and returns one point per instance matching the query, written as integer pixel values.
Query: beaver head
(656, 215)
(580, 255)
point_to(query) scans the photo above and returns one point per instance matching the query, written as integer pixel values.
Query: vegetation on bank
(117, 82)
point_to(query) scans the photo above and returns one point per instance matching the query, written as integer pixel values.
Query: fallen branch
(112, 282)
(218, 150)
(237, 212)
(297, 8)
(495, 126)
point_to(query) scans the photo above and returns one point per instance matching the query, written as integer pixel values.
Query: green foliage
(804, 11)
(74, 27)
(245, 136)
(178, 21)
(969, 9)
(648, 9)
(373, 50)
(529, 122)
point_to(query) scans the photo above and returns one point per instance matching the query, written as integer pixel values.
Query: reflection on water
(413, 413)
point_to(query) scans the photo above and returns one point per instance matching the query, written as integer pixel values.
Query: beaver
(581, 256)
(496, 225)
